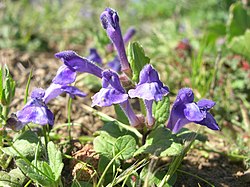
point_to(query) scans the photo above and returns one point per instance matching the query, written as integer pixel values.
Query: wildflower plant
(126, 144)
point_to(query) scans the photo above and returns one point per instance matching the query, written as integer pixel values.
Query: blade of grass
(108, 118)
(196, 176)
(69, 106)
(107, 167)
(27, 87)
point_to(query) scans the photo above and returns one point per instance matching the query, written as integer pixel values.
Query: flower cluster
(185, 110)
(149, 88)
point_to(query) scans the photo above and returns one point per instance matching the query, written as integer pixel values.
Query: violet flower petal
(205, 104)
(73, 91)
(184, 96)
(52, 92)
(149, 91)
(193, 113)
(149, 107)
(110, 77)
(110, 22)
(127, 109)
(78, 63)
(64, 75)
(129, 34)
(180, 123)
(115, 64)
(149, 87)
(37, 112)
(209, 122)
(108, 96)
(94, 56)
(185, 111)
(38, 93)
(55, 90)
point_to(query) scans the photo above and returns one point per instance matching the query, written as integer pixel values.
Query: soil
(213, 167)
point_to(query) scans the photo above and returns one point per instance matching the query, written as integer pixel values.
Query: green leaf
(161, 110)
(33, 173)
(104, 144)
(187, 135)
(44, 169)
(115, 130)
(137, 59)
(240, 44)
(126, 145)
(155, 177)
(120, 115)
(15, 178)
(55, 160)
(1, 81)
(104, 161)
(26, 144)
(239, 20)
(161, 142)
(4, 160)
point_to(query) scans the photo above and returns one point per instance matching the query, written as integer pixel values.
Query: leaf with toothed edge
(137, 59)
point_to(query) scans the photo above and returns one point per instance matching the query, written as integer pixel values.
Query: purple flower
(94, 56)
(185, 111)
(73, 63)
(56, 89)
(36, 110)
(150, 89)
(111, 93)
(127, 36)
(110, 22)
(115, 64)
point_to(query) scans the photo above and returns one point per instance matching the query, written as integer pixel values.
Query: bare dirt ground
(213, 167)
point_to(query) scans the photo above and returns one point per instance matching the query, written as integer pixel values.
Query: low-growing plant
(131, 147)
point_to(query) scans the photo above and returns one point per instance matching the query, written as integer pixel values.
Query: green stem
(27, 184)
(5, 110)
(108, 118)
(107, 167)
(27, 87)
(196, 176)
(46, 136)
(175, 164)
(69, 117)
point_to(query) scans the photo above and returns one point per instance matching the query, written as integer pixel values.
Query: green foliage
(115, 130)
(7, 86)
(109, 146)
(104, 145)
(239, 20)
(120, 115)
(14, 178)
(137, 59)
(153, 176)
(161, 110)
(55, 160)
(240, 44)
(126, 145)
(161, 142)
(42, 172)
(26, 144)
(39, 172)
